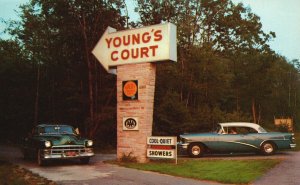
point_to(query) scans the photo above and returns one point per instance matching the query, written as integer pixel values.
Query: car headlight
(89, 143)
(47, 144)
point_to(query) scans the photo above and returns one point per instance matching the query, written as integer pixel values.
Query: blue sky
(280, 16)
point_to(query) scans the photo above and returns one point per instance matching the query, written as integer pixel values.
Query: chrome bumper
(183, 146)
(293, 145)
(55, 156)
(50, 154)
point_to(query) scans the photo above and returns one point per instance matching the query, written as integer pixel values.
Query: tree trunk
(253, 110)
(90, 76)
(36, 104)
(237, 101)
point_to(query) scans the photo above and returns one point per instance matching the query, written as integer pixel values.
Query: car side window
(225, 130)
(246, 130)
(243, 130)
(230, 130)
(233, 130)
(252, 131)
(41, 130)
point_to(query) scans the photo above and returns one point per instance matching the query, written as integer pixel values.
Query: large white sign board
(147, 44)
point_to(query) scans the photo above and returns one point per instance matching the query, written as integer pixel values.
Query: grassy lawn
(224, 171)
(14, 175)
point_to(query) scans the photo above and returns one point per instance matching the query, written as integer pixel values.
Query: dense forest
(226, 70)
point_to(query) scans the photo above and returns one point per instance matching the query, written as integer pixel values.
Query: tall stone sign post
(131, 55)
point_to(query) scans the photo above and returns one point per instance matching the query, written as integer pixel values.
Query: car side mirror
(77, 131)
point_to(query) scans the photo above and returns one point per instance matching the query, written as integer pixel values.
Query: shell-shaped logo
(130, 90)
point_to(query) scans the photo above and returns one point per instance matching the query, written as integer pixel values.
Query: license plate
(71, 154)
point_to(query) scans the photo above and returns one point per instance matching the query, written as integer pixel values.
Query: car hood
(57, 140)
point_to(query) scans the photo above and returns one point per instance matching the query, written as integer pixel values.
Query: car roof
(241, 124)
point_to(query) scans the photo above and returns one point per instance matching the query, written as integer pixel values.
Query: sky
(279, 16)
(282, 17)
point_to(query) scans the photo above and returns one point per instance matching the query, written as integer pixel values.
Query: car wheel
(268, 148)
(85, 160)
(40, 160)
(196, 150)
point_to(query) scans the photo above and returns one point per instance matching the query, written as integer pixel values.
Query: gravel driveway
(286, 173)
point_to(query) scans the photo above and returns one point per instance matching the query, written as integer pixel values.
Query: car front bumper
(293, 145)
(183, 146)
(48, 154)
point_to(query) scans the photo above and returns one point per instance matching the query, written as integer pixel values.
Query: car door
(233, 142)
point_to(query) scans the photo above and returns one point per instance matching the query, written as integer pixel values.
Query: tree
(16, 95)
(59, 35)
(225, 70)
(210, 35)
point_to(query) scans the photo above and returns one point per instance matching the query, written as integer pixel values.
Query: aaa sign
(147, 44)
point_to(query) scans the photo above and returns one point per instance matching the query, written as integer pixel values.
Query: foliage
(283, 128)
(223, 171)
(68, 84)
(226, 70)
(14, 175)
(16, 100)
(128, 158)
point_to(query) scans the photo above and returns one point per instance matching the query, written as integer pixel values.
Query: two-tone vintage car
(49, 142)
(236, 138)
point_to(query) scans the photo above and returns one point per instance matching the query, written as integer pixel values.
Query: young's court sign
(147, 44)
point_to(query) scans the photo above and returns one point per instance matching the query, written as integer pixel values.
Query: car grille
(67, 148)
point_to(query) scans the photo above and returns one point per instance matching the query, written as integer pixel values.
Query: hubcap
(268, 148)
(196, 150)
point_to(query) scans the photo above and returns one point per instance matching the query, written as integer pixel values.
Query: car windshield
(57, 130)
(261, 130)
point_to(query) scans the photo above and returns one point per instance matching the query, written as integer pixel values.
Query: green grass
(224, 171)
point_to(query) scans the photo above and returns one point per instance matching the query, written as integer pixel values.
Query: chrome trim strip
(59, 156)
(183, 145)
(293, 145)
(274, 140)
(241, 143)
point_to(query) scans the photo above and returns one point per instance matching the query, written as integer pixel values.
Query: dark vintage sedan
(50, 142)
(236, 138)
